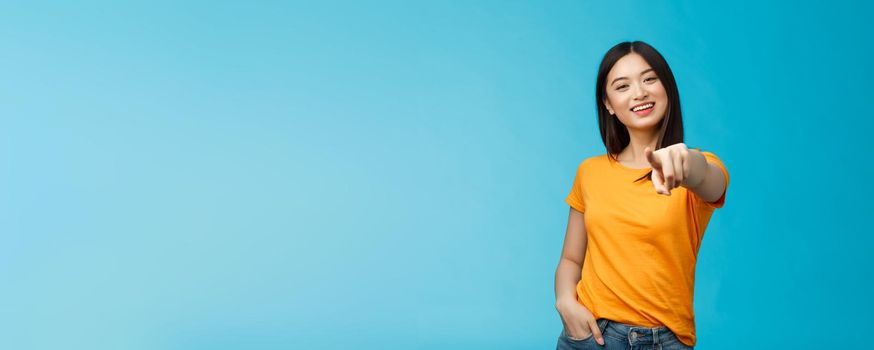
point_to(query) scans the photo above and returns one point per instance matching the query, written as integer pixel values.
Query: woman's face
(635, 94)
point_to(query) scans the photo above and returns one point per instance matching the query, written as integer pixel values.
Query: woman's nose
(639, 92)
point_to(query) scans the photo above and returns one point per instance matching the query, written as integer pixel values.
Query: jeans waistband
(638, 334)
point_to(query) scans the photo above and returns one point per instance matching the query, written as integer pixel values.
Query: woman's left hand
(675, 166)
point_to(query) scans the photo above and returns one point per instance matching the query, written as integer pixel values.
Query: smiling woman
(647, 80)
(638, 214)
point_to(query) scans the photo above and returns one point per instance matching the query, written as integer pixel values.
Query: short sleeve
(575, 198)
(713, 159)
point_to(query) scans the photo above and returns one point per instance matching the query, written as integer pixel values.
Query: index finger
(651, 158)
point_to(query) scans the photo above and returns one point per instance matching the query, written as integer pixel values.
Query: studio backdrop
(392, 174)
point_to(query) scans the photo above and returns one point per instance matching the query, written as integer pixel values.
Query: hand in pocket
(579, 323)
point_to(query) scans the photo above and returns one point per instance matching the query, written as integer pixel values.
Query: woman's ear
(609, 107)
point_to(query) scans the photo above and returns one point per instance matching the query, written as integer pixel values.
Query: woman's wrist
(697, 169)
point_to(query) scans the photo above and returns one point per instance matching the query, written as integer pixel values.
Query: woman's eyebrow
(641, 73)
(617, 79)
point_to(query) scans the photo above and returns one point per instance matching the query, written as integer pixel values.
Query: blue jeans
(620, 336)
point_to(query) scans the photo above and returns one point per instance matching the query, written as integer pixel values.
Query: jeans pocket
(572, 339)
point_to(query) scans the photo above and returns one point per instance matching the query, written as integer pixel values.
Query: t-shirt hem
(576, 206)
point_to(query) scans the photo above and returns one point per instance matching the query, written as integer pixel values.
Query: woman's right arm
(578, 321)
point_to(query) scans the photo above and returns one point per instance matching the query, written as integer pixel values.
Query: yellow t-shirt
(642, 246)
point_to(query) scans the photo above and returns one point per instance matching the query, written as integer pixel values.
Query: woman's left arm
(677, 165)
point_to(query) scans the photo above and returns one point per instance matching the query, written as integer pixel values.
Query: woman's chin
(643, 124)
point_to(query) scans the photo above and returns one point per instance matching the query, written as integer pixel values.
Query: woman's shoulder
(594, 161)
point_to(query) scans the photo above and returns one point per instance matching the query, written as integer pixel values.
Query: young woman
(638, 214)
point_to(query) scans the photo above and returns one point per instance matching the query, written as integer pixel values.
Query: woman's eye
(650, 79)
(620, 87)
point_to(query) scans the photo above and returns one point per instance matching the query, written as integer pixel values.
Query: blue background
(391, 175)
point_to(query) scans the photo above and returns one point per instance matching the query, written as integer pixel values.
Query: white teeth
(648, 105)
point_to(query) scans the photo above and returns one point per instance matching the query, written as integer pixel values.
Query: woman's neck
(633, 154)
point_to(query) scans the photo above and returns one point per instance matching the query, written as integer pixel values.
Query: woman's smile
(643, 109)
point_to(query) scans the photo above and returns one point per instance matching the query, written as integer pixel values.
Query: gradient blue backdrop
(391, 175)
